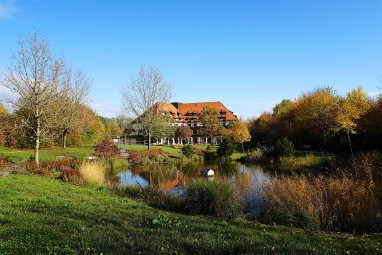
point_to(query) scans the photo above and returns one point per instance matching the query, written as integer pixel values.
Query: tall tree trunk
(64, 135)
(149, 142)
(242, 146)
(37, 144)
(351, 148)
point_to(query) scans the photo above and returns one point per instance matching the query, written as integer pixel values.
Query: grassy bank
(51, 154)
(45, 215)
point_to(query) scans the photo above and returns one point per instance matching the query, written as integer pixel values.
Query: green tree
(164, 126)
(226, 148)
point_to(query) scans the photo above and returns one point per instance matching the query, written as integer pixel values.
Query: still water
(248, 178)
(172, 176)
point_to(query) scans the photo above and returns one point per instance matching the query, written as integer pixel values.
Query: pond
(172, 177)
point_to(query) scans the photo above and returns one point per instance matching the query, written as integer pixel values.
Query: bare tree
(69, 95)
(32, 74)
(143, 97)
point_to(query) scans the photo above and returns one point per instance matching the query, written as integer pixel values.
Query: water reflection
(170, 176)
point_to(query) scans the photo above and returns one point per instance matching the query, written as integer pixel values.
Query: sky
(249, 55)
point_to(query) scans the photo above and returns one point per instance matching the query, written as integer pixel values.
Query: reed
(347, 202)
(92, 172)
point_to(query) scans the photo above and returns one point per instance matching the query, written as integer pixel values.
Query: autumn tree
(143, 97)
(316, 110)
(112, 128)
(68, 97)
(210, 121)
(92, 129)
(184, 132)
(282, 108)
(32, 74)
(240, 133)
(349, 110)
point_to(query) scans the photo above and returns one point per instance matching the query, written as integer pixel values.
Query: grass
(51, 154)
(45, 215)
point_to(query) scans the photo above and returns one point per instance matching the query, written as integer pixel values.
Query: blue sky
(247, 54)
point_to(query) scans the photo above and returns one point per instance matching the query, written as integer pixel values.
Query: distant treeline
(321, 120)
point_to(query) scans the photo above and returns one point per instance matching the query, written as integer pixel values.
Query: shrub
(257, 155)
(92, 172)
(226, 148)
(4, 162)
(107, 149)
(188, 150)
(71, 175)
(283, 148)
(61, 165)
(216, 198)
(140, 156)
(31, 166)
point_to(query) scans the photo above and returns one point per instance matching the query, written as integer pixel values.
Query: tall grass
(348, 201)
(92, 172)
(217, 198)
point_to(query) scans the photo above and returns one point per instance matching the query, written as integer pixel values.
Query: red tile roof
(190, 108)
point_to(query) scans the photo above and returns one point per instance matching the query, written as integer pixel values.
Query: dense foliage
(226, 148)
(106, 149)
(188, 150)
(322, 120)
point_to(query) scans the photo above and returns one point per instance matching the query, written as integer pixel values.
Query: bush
(71, 175)
(216, 198)
(226, 148)
(283, 148)
(107, 149)
(188, 150)
(146, 156)
(258, 155)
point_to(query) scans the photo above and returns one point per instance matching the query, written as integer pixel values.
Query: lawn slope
(45, 215)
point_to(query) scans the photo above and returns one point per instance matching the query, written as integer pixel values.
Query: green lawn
(45, 215)
(79, 152)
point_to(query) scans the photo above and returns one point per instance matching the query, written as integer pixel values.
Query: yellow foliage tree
(239, 133)
(349, 109)
(3, 111)
(112, 128)
(316, 107)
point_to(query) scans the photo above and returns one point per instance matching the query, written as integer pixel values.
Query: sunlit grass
(79, 152)
(42, 215)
